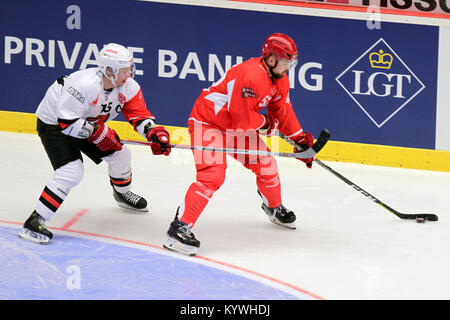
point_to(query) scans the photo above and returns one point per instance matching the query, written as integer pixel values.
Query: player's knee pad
(119, 163)
(69, 175)
(211, 177)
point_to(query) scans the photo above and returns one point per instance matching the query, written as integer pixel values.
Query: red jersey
(234, 102)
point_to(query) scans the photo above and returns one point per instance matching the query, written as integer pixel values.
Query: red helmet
(280, 45)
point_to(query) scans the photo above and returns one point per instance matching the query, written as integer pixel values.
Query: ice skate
(181, 239)
(280, 215)
(34, 229)
(131, 201)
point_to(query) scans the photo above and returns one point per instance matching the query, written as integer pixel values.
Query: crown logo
(381, 60)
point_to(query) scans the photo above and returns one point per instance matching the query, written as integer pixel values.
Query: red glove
(159, 139)
(305, 141)
(271, 126)
(105, 138)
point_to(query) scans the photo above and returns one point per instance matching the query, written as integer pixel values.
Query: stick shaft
(227, 150)
(427, 216)
(306, 154)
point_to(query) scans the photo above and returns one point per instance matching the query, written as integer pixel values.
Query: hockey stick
(419, 217)
(309, 153)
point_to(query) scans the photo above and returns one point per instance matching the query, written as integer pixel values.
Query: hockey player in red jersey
(227, 114)
(72, 120)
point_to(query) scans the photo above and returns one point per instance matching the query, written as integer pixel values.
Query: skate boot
(181, 239)
(130, 200)
(34, 229)
(280, 215)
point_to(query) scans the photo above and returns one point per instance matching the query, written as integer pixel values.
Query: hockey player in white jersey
(72, 120)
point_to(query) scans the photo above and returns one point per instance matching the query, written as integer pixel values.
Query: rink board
(389, 156)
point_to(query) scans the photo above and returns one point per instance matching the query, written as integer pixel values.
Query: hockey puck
(420, 220)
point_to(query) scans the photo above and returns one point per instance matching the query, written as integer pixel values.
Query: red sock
(270, 189)
(195, 200)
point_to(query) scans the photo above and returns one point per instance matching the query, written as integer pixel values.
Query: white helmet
(115, 56)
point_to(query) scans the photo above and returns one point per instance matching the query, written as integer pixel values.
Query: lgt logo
(380, 83)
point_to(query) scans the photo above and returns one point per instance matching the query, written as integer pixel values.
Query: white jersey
(72, 100)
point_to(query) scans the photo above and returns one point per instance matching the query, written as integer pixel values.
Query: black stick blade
(425, 216)
(307, 151)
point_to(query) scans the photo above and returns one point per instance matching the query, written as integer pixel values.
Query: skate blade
(290, 225)
(33, 236)
(177, 246)
(125, 206)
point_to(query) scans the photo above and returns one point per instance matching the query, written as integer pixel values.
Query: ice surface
(344, 247)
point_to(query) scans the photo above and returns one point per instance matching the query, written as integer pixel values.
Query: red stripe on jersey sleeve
(64, 123)
(135, 109)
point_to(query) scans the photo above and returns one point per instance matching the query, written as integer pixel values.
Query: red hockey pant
(211, 167)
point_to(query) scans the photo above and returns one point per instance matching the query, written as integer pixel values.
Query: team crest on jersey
(122, 98)
(248, 92)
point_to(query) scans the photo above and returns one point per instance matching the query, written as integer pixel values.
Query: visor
(289, 63)
(132, 70)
